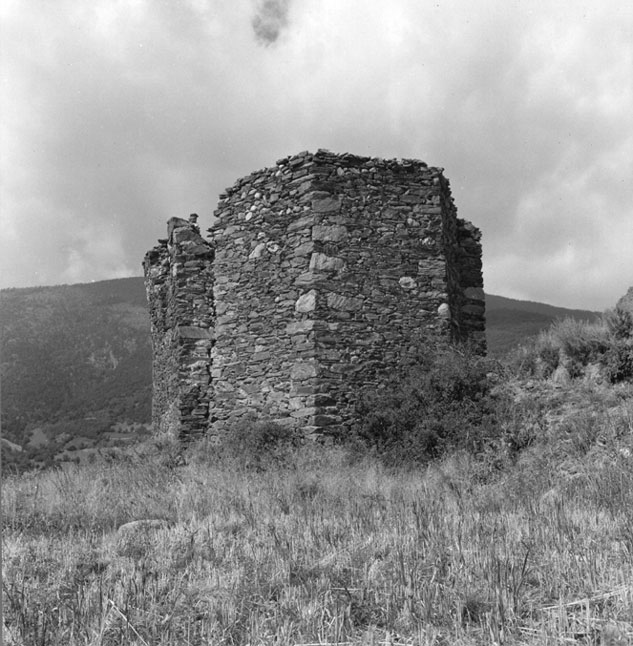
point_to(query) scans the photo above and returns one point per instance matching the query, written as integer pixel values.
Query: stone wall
(179, 284)
(320, 274)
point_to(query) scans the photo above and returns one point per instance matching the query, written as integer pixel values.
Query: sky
(119, 114)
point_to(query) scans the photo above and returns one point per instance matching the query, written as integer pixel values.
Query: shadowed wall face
(326, 270)
(179, 285)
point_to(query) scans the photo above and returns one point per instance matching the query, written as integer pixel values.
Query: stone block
(303, 370)
(322, 262)
(474, 309)
(307, 411)
(299, 327)
(444, 311)
(346, 303)
(257, 251)
(189, 332)
(326, 204)
(309, 278)
(475, 293)
(299, 224)
(324, 399)
(329, 233)
(304, 249)
(407, 283)
(199, 250)
(306, 302)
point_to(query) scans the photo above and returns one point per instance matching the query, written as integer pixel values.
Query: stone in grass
(135, 538)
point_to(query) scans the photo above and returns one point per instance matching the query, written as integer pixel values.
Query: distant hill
(510, 321)
(76, 363)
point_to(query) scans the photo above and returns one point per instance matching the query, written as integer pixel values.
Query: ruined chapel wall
(165, 383)
(320, 274)
(263, 245)
(178, 279)
(328, 268)
(382, 235)
(464, 278)
(472, 315)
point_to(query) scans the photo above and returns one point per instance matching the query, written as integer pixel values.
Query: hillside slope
(510, 321)
(76, 360)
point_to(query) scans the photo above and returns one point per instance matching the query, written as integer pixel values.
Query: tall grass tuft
(574, 345)
(438, 401)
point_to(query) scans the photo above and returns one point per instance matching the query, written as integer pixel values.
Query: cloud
(270, 19)
(127, 113)
(94, 251)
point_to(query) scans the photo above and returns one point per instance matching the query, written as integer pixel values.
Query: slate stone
(322, 262)
(306, 302)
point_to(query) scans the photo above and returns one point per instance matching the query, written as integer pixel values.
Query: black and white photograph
(316, 322)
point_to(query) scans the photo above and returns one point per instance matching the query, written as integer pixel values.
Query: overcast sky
(118, 114)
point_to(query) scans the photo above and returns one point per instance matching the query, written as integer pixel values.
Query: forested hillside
(76, 363)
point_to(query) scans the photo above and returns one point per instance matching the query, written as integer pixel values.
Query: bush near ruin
(440, 400)
(570, 349)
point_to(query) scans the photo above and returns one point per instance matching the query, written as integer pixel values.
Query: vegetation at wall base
(440, 400)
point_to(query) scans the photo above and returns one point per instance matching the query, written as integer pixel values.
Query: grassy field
(328, 549)
(522, 535)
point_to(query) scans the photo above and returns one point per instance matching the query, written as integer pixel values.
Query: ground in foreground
(324, 548)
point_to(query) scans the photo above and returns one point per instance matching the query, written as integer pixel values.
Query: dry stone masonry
(179, 283)
(318, 276)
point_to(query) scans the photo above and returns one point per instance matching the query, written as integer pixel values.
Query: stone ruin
(318, 276)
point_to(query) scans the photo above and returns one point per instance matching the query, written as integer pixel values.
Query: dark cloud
(270, 19)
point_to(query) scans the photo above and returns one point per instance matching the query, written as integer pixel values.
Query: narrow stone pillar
(179, 284)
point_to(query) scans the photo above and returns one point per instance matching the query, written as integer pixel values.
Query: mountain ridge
(510, 321)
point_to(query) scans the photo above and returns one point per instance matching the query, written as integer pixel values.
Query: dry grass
(325, 550)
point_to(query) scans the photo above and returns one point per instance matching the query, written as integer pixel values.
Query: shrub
(537, 357)
(255, 444)
(619, 322)
(581, 341)
(441, 400)
(550, 357)
(618, 361)
(568, 342)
